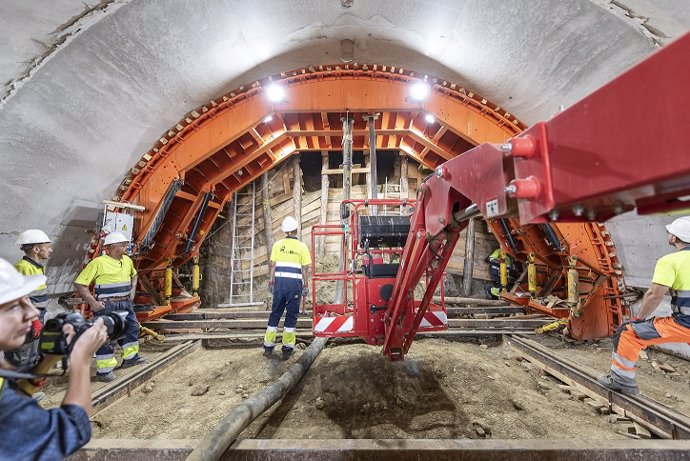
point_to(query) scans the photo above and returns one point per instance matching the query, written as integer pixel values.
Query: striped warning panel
(434, 319)
(336, 324)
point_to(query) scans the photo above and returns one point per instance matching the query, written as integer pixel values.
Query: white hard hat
(14, 285)
(32, 236)
(115, 237)
(289, 224)
(680, 228)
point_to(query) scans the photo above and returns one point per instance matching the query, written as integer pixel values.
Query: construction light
(268, 118)
(276, 93)
(429, 118)
(419, 91)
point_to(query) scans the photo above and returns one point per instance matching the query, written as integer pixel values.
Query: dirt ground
(443, 390)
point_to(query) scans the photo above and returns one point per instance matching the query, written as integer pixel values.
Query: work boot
(611, 383)
(136, 360)
(287, 352)
(268, 351)
(106, 377)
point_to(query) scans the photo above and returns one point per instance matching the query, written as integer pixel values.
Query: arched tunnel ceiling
(88, 86)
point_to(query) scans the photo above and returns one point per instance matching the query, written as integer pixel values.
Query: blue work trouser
(287, 294)
(105, 356)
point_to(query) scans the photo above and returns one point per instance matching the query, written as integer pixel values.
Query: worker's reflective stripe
(287, 264)
(628, 374)
(270, 337)
(39, 296)
(289, 337)
(288, 270)
(434, 319)
(129, 350)
(624, 362)
(680, 301)
(338, 324)
(112, 290)
(105, 363)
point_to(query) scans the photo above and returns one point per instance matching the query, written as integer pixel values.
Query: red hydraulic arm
(623, 147)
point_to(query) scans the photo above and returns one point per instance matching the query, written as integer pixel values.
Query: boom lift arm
(623, 147)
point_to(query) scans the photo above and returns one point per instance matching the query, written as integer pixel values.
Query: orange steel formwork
(192, 171)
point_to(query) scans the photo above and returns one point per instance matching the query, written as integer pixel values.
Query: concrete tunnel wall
(108, 80)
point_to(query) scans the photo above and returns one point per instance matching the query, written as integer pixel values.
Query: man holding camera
(288, 280)
(37, 249)
(28, 431)
(116, 281)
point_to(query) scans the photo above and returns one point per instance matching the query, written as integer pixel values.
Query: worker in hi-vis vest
(288, 280)
(37, 249)
(116, 282)
(672, 273)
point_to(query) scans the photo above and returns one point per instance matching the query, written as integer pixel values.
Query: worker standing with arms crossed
(288, 280)
(37, 249)
(116, 283)
(672, 273)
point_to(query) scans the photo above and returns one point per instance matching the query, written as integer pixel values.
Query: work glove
(271, 284)
(633, 320)
(36, 327)
(305, 292)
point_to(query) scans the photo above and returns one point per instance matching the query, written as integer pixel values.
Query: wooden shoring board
(388, 449)
(123, 386)
(256, 337)
(466, 324)
(204, 314)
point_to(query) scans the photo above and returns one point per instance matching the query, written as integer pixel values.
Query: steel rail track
(657, 418)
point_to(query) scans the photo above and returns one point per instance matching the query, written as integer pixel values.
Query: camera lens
(115, 324)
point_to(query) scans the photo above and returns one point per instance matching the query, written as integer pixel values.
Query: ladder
(390, 190)
(242, 257)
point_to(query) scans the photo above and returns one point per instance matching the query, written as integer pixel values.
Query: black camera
(54, 340)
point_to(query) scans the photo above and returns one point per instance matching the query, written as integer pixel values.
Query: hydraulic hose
(214, 444)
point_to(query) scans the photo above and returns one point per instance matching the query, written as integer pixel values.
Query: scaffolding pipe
(217, 441)
(373, 175)
(347, 182)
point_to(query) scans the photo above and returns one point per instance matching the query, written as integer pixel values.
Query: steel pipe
(217, 441)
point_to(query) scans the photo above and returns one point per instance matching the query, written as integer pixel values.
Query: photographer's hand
(79, 387)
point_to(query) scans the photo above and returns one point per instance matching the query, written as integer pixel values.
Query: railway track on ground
(657, 418)
(221, 328)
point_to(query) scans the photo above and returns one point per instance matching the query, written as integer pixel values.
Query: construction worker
(28, 431)
(672, 273)
(493, 289)
(288, 280)
(116, 282)
(37, 249)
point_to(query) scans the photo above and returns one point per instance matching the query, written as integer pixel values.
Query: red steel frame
(611, 152)
(365, 321)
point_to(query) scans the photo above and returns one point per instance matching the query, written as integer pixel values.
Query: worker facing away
(37, 249)
(288, 280)
(116, 281)
(672, 273)
(28, 431)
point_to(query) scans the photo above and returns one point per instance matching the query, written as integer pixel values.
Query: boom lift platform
(624, 147)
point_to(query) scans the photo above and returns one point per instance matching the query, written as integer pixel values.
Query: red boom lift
(623, 147)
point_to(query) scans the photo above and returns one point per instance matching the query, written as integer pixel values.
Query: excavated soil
(442, 390)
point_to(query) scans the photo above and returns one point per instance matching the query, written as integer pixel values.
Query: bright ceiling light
(276, 93)
(268, 118)
(429, 118)
(419, 91)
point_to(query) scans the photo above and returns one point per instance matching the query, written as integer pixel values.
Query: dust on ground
(442, 390)
(660, 376)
